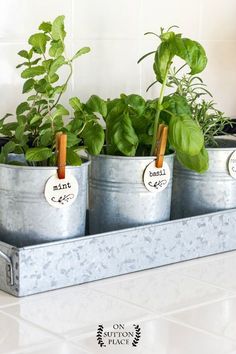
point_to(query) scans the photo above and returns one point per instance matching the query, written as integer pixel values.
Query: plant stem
(65, 84)
(158, 112)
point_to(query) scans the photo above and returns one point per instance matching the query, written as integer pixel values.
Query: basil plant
(41, 115)
(132, 122)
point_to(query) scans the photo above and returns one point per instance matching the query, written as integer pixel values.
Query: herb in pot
(132, 122)
(211, 120)
(41, 115)
(185, 135)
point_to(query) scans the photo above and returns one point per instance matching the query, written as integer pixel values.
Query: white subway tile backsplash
(114, 30)
(19, 19)
(110, 69)
(10, 80)
(218, 20)
(105, 19)
(220, 74)
(182, 13)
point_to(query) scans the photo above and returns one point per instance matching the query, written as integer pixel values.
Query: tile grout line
(198, 329)
(210, 284)
(196, 306)
(185, 308)
(33, 324)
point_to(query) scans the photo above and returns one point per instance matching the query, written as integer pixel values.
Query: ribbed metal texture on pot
(25, 215)
(117, 196)
(196, 194)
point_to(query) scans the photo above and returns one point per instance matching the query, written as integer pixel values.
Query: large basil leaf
(192, 53)
(136, 102)
(176, 105)
(97, 104)
(185, 135)
(122, 134)
(198, 163)
(93, 135)
(162, 61)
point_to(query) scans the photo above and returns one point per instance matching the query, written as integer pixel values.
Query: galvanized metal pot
(25, 215)
(117, 196)
(215, 190)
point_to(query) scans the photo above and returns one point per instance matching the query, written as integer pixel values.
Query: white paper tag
(61, 193)
(156, 179)
(232, 165)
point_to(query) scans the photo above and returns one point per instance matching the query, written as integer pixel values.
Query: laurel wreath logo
(99, 336)
(137, 335)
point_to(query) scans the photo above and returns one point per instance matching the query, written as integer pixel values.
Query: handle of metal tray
(10, 277)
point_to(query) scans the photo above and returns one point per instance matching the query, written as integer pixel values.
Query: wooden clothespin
(162, 136)
(61, 143)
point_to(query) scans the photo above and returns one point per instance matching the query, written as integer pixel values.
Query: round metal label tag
(61, 193)
(156, 179)
(232, 165)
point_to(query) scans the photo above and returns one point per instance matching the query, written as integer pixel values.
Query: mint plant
(41, 115)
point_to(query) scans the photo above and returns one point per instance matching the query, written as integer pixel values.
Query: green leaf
(93, 136)
(39, 42)
(32, 98)
(198, 163)
(45, 27)
(75, 103)
(56, 49)
(19, 133)
(11, 126)
(56, 64)
(8, 148)
(60, 111)
(72, 139)
(28, 85)
(35, 119)
(38, 154)
(58, 123)
(121, 132)
(185, 135)
(24, 106)
(80, 52)
(97, 104)
(23, 54)
(6, 116)
(75, 125)
(136, 102)
(72, 158)
(47, 63)
(54, 78)
(177, 105)
(32, 72)
(22, 64)
(162, 61)
(42, 86)
(58, 30)
(46, 137)
(192, 53)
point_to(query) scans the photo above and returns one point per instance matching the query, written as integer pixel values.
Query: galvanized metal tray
(38, 268)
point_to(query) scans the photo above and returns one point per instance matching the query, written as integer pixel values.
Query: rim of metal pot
(229, 148)
(129, 157)
(54, 168)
